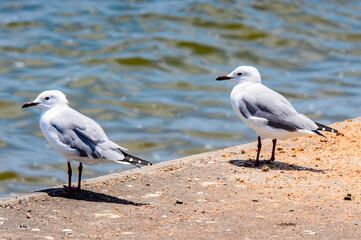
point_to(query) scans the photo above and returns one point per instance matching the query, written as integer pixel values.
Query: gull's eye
(47, 98)
(239, 74)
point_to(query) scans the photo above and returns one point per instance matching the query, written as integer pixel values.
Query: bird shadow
(89, 196)
(274, 166)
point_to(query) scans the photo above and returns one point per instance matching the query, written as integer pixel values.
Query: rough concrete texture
(312, 191)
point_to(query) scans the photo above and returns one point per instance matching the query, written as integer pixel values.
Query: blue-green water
(145, 71)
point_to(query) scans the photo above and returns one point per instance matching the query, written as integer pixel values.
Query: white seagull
(77, 137)
(267, 112)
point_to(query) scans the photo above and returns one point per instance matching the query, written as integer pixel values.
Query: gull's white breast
(52, 137)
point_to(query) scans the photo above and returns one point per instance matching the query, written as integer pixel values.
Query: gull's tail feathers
(134, 160)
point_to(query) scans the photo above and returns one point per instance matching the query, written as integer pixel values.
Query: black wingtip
(134, 160)
(322, 127)
(318, 133)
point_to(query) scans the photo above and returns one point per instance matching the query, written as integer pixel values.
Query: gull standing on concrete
(267, 112)
(77, 137)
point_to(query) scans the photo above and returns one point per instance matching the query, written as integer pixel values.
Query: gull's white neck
(242, 88)
(51, 111)
(247, 83)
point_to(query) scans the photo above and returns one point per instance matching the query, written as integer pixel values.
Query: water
(145, 71)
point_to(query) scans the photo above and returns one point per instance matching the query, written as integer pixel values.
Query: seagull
(77, 137)
(267, 112)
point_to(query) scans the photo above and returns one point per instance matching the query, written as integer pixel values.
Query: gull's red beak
(221, 78)
(29, 104)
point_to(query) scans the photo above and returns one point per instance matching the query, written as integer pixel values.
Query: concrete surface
(312, 191)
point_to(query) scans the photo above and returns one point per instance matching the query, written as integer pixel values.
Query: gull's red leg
(67, 192)
(259, 146)
(80, 168)
(69, 178)
(274, 141)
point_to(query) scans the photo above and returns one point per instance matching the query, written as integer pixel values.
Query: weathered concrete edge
(148, 170)
(18, 198)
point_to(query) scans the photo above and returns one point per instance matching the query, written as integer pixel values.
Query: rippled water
(145, 71)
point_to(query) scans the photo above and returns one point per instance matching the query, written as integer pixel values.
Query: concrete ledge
(19, 198)
(311, 191)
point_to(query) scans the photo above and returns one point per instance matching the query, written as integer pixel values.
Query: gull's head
(48, 99)
(242, 74)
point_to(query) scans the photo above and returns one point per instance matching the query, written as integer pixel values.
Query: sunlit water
(145, 71)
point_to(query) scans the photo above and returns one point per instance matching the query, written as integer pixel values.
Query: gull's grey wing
(84, 135)
(276, 109)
